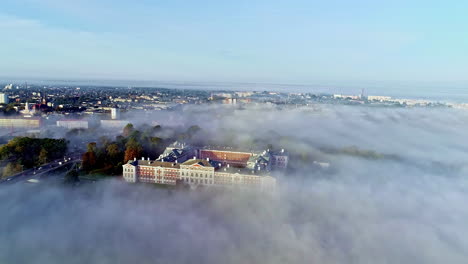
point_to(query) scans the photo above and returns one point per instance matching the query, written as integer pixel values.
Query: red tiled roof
(229, 156)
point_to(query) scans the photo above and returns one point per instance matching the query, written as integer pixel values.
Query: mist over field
(396, 191)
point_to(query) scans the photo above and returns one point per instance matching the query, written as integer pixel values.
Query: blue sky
(280, 41)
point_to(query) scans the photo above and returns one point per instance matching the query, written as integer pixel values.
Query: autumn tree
(43, 155)
(133, 150)
(10, 169)
(89, 158)
(91, 147)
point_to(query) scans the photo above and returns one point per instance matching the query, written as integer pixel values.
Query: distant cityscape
(29, 107)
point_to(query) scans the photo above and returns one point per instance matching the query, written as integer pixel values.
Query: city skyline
(249, 41)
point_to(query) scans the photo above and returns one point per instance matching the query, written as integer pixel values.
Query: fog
(396, 192)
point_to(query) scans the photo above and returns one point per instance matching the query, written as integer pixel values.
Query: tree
(43, 156)
(33, 151)
(128, 129)
(114, 154)
(91, 147)
(90, 158)
(89, 161)
(113, 150)
(133, 150)
(11, 168)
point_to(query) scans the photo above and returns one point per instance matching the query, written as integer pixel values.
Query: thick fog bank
(340, 221)
(396, 192)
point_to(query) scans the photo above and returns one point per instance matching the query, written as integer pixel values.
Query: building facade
(20, 122)
(193, 172)
(73, 124)
(115, 113)
(278, 159)
(4, 98)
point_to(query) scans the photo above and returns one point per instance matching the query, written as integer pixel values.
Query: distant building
(222, 95)
(378, 98)
(115, 113)
(26, 110)
(4, 98)
(244, 94)
(20, 122)
(73, 124)
(341, 96)
(9, 86)
(230, 101)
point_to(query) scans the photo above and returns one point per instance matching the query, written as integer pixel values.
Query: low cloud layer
(396, 192)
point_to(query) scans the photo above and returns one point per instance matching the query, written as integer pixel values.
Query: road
(42, 171)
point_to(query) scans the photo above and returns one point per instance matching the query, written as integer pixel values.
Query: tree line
(25, 152)
(107, 156)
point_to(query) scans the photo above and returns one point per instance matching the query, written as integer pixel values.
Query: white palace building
(208, 167)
